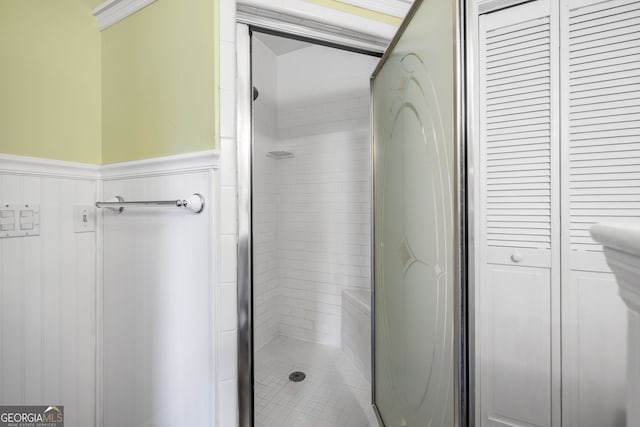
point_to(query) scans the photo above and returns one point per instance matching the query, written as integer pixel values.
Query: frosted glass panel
(414, 239)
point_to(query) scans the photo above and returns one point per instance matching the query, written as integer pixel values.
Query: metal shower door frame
(244, 163)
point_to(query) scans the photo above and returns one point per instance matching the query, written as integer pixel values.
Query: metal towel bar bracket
(194, 203)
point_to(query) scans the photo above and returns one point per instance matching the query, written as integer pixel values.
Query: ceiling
(280, 45)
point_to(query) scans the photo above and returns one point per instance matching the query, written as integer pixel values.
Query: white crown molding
(112, 11)
(181, 163)
(316, 18)
(397, 8)
(22, 165)
(310, 29)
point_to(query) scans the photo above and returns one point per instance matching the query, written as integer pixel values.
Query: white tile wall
(322, 201)
(326, 114)
(226, 293)
(324, 192)
(323, 231)
(226, 374)
(48, 301)
(356, 329)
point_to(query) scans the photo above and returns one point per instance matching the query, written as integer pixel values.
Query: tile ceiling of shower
(281, 45)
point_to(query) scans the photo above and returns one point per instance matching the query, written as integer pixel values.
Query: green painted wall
(158, 81)
(145, 87)
(354, 10)
(50, 74)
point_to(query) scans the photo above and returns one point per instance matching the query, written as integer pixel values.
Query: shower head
(280, 155)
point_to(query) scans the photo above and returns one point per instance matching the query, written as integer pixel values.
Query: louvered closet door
(519, 292)
(601, 159)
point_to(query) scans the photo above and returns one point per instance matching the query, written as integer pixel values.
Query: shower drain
(297, 376)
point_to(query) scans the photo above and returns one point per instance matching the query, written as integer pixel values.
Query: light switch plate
(84, 218)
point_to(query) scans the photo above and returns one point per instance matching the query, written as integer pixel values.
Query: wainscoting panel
(159, 336)
(47, 292)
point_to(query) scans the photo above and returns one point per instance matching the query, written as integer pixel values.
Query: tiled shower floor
(334, 393)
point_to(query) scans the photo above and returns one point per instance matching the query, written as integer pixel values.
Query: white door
(595, 169)
(600, 59)
(519, 284)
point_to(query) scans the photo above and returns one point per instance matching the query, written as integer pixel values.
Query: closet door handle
(517, 256)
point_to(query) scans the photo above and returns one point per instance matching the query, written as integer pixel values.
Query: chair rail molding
(174, 164)
(112, 11)
(24, 165)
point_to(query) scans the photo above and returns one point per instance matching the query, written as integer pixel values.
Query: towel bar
(194, 203)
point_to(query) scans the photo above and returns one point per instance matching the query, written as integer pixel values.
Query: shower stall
(311, 232)
(351, 250)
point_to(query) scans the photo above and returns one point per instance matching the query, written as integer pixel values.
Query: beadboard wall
(128, 324)
(158, 295)
(48, 292)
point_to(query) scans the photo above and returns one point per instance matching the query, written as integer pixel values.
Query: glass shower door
(416, 234)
